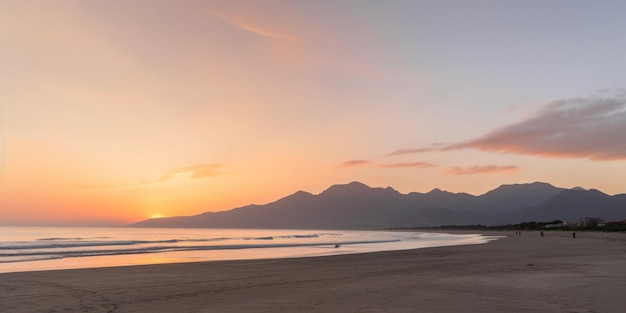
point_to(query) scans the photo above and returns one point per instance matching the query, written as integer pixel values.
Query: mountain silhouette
(572, 205)
(356, 205)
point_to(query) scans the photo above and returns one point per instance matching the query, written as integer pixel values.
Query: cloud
(193, 172)
(591, 128)
(431, 147)
(408, 165)
(190, 172)
(486, 169)
(354, 163)
(579, 128)
(248, 27)
(358, 163)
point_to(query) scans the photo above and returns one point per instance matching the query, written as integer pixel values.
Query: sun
(157, 215)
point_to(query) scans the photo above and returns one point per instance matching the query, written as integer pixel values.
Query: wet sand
(524, 273)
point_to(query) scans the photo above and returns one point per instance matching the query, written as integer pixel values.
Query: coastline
(40, 249)
(524, 273)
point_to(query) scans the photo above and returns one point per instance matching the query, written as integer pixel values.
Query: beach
(526, 273)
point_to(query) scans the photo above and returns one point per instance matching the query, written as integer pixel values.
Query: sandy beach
(524, 273)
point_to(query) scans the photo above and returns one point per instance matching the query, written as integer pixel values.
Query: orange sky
(113, 112)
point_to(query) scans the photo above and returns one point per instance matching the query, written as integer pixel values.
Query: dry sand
(515, 274)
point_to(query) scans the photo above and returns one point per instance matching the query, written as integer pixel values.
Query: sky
(112, 112)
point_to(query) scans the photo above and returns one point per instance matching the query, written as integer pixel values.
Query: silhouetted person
(574, 235)
(541, 234)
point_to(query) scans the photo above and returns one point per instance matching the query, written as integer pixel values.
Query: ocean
(53, 248)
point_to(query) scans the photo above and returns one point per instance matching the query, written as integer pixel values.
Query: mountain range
(356, 205)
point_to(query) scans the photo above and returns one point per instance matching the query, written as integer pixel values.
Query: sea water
(51, 248)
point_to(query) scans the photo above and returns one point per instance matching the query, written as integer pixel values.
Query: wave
(302, 236)
(69, 238)
(67, 242)
(124, 242)
(35, 246)
(36, 254)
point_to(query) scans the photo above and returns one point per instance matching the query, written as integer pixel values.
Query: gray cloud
(592, 128)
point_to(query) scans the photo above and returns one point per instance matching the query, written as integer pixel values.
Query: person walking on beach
(541, 234)
(574, 235)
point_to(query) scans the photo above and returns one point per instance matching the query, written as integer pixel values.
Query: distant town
(585, 224)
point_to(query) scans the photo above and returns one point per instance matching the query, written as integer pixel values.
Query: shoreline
(148, 248)
(524, 273)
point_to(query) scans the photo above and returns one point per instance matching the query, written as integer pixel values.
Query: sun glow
(157, 215)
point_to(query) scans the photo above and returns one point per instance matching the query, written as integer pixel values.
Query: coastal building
(591, 221)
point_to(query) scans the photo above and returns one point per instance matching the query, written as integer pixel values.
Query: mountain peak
(301, 193)
(353, 186)
(436, 191)
(359, 184)
(529, 187)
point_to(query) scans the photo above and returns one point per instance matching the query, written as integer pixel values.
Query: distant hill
(571, 205)
(356, 205)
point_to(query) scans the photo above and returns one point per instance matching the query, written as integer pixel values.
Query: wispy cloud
(360, 163)
(299, 43)
(190, 172)
(590, 128)
(193, 172)
(355, 163)
(486, 169)
(249, 27)
(429, 148)
(408, 165)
